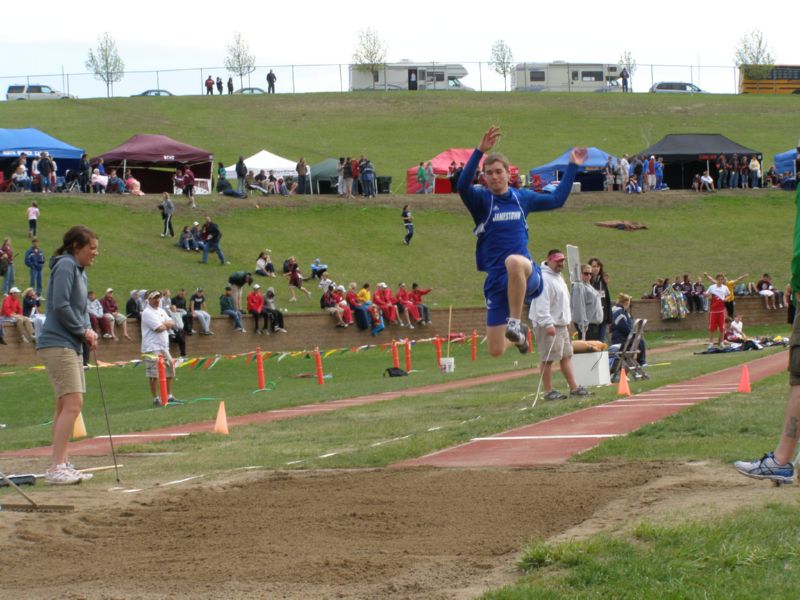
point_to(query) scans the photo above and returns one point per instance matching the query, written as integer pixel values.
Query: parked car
(675, 87)
(250, 90)
(34, 91)
(154, 93)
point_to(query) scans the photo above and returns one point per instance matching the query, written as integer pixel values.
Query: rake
(31, 506)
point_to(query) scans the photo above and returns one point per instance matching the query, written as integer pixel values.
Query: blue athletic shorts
(495, 292)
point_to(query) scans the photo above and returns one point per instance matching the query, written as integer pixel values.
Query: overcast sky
(152, 37)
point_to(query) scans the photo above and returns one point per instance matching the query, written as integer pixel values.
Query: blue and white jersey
(501, 221)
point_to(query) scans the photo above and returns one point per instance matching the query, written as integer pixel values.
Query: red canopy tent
(441, 163)
(153, 159)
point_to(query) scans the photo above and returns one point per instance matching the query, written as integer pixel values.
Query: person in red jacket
(385, 301)
(407, 306)
(12, 310)
(255, 306)
(416, 297)
(339, 296)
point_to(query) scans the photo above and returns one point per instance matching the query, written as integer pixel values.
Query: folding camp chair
(627, 355)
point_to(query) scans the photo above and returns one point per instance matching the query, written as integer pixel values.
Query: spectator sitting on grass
(197, 237)
(224, 187)
(115, 183)
(185, 240)
(318, 268)
(365, 295)
(250, 183)
(228, 308)
(264, 265)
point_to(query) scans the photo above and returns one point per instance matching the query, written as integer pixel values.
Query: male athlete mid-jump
(500, 214)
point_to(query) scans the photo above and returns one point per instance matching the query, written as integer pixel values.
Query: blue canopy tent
(590, 174)
(15, 142)
(785, 162)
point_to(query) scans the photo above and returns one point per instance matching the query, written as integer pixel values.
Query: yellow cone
(221, 426)
(79, 428)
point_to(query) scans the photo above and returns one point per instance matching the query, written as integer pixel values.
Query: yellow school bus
(777, 79)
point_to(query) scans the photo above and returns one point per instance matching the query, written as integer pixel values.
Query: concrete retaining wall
(307, 331)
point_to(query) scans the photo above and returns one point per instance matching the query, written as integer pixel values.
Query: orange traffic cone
(221, 426)
(744, 380)
(79, 428)
(623, 389)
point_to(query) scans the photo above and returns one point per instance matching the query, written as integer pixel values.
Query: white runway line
(184, 480)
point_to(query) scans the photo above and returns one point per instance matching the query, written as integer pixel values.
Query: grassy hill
(732, 232)
(361, 241)
(397, 130)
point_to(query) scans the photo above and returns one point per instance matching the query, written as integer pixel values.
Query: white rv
(566, 77)
(408, 75)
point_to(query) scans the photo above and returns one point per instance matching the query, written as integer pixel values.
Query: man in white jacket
(550, 315)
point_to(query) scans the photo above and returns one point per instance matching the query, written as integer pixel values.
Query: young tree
(239, 61)
(629, 63)
(753, 56)
(105, 62)
(370, 53)
(502, 61)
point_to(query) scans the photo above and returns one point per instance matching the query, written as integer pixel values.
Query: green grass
(362, 243)
(753, 554)
(397, 130)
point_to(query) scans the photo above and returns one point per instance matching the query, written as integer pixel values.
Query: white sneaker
(64, 475)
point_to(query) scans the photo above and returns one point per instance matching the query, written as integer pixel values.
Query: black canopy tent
(688, 154)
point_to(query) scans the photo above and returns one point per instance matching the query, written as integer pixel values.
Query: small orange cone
(623, 389)
(744, 380)
(221, 426)
(79, 428)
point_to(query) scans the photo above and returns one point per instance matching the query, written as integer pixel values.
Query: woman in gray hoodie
(60, 345)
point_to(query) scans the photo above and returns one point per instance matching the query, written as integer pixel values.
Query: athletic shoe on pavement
(580, 391)
(63, 475)
(554, 395)
(518, 335)
(766, 468)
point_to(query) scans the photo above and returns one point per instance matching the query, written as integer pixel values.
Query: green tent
(324, 176)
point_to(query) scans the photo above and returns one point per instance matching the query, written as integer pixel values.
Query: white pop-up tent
(282, 167)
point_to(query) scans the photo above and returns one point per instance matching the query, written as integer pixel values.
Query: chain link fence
(300, 79)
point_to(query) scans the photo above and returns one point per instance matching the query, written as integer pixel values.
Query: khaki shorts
(553, 348)
(151, 366)
(65, 370)
(118, 318)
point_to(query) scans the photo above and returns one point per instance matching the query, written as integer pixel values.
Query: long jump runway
(556, 440)
(547, 442)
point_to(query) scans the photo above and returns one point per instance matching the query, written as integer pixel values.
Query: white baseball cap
(14, 290)
(256, 286)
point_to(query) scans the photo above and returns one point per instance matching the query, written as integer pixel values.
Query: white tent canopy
(282, 167)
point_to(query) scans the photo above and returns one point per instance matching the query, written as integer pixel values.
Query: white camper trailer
(407, 75)
(566, 77)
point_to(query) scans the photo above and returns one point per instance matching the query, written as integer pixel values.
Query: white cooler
(591, 368)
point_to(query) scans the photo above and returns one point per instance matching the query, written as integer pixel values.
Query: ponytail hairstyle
(76, 238)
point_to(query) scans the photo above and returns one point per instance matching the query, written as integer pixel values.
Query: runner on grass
(500, 216)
